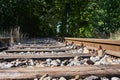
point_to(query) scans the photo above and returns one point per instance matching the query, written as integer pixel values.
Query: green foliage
(87, 18)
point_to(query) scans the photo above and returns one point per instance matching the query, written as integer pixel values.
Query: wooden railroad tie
(82, 71)
(45, 56)
(37, 50)
(22, 47)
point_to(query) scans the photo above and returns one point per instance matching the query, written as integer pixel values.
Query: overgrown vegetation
(87, 18)
(116, 35)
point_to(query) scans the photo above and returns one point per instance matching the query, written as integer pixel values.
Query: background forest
(74, 18)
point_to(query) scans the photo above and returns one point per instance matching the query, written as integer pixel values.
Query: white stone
(54, 63)
(54, 79)
(48, 60)
(47, 78)
(76, 58)
(31, 62)
(80, 50)
(2, 65)
(77, 77)
(62, 78)
(85, 50)
(100, 53)
(36, 79)
(58, 60)
(94, 59)
(97, 63)
(42, 78)
(21, 52)
(73, 79)
(91, 78)
(104, 78)
(28, 52)
(115, 78)
(8, 65)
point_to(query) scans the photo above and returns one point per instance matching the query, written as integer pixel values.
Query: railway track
(112, 47)
(34, 61)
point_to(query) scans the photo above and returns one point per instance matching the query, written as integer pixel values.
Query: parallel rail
(112, 47)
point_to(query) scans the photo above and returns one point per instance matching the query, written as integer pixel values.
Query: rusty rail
(82, 71)
(112, 47)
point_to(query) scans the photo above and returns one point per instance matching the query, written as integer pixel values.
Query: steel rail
(112, 47)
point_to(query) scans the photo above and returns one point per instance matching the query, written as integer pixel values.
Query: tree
(86, 18)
